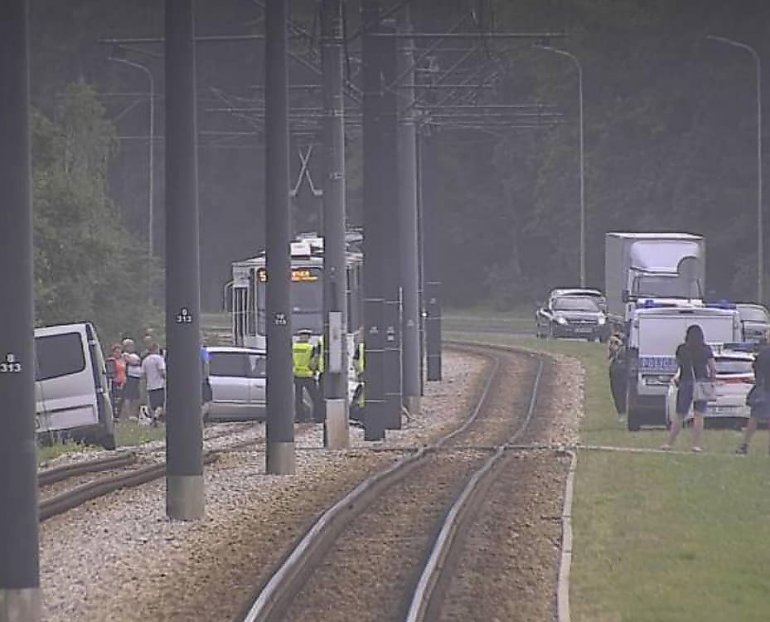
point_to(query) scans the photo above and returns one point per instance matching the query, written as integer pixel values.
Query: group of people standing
(695, 382)
(127, 369)
(695, 388)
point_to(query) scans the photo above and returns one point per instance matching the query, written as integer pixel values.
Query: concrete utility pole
(280, 389)
(374, 249)
(407, 220)
(390, 230)
(335, 275)
(19, 564)
(184, 433)
(430, 249)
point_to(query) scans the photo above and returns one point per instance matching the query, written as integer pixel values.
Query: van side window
(229, 364)
(258, 365)
(59, 355)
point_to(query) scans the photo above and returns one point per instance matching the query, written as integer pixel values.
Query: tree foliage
(87, 266)
(669, 134)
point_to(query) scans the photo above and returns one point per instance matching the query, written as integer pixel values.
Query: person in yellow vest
(305, 357)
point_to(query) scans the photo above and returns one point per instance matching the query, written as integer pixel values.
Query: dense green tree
(87, 266)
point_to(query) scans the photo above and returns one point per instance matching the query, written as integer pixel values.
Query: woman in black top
(696, 363)
(760, 405)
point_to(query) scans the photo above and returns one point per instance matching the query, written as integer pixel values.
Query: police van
(654, 332)
(72, 399)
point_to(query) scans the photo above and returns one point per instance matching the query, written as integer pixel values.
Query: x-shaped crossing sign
(304, 173)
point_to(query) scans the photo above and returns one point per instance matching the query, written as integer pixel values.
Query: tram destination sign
(298, 275)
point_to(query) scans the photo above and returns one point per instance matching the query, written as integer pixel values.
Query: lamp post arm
(151, 169)
(579, 68)
(760, 215)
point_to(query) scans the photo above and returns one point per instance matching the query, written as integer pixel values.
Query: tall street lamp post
(760, 242)
(579, 67)
(151, 169)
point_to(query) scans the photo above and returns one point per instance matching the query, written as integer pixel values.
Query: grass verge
(663, 537)
(127, 434)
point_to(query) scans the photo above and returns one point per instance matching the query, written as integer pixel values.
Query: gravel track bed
(374, 566)
(120, 558)
(505, 567)
(375, 563)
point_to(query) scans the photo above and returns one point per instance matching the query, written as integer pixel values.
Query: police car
(735, 377)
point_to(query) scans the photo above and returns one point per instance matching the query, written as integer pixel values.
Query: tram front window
(307, 306)
(306, 300)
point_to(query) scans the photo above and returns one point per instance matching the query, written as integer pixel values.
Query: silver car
(238, 383)
(755, 322)
(735, 377)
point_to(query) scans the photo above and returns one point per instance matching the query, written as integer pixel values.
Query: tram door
(240, 314)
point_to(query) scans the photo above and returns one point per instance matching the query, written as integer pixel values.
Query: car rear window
(733, 366)
(59, 355)
(229, 364)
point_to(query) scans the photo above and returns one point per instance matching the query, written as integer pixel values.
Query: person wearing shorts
(696, 363)
(760, 409)
(154, 371)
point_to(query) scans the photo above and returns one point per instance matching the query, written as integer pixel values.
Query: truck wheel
(108, 442)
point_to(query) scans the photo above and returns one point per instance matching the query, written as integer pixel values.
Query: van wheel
(633, 421)
(108, 442)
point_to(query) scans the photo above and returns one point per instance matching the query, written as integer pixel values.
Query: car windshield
(574, 304)
(752, 314)
(733, 366)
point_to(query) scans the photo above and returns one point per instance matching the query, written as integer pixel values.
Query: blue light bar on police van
(722, 304)
(654, 304)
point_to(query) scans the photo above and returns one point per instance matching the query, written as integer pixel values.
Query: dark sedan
(571, 316)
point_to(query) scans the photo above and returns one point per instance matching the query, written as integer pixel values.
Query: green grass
(127, 434)
(663, 537)
(130, 433)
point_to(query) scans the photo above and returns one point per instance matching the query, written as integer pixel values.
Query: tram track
(69, 486)
(362, 558)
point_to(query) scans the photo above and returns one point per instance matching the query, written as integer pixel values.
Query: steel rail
(274, 597)
(53, 475)
(79, 495)
(431, 573)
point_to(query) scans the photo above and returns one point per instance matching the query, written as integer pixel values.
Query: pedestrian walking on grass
(758, 398)
(695, 377)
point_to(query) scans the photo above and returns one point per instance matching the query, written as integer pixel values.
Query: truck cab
(654, 332)
(641, 267)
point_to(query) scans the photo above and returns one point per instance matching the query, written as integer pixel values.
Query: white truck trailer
(655, 331)
(651, 266)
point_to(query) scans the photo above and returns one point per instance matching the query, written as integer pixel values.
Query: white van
(71, 389)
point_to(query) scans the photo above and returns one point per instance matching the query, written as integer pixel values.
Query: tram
(248, 286)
